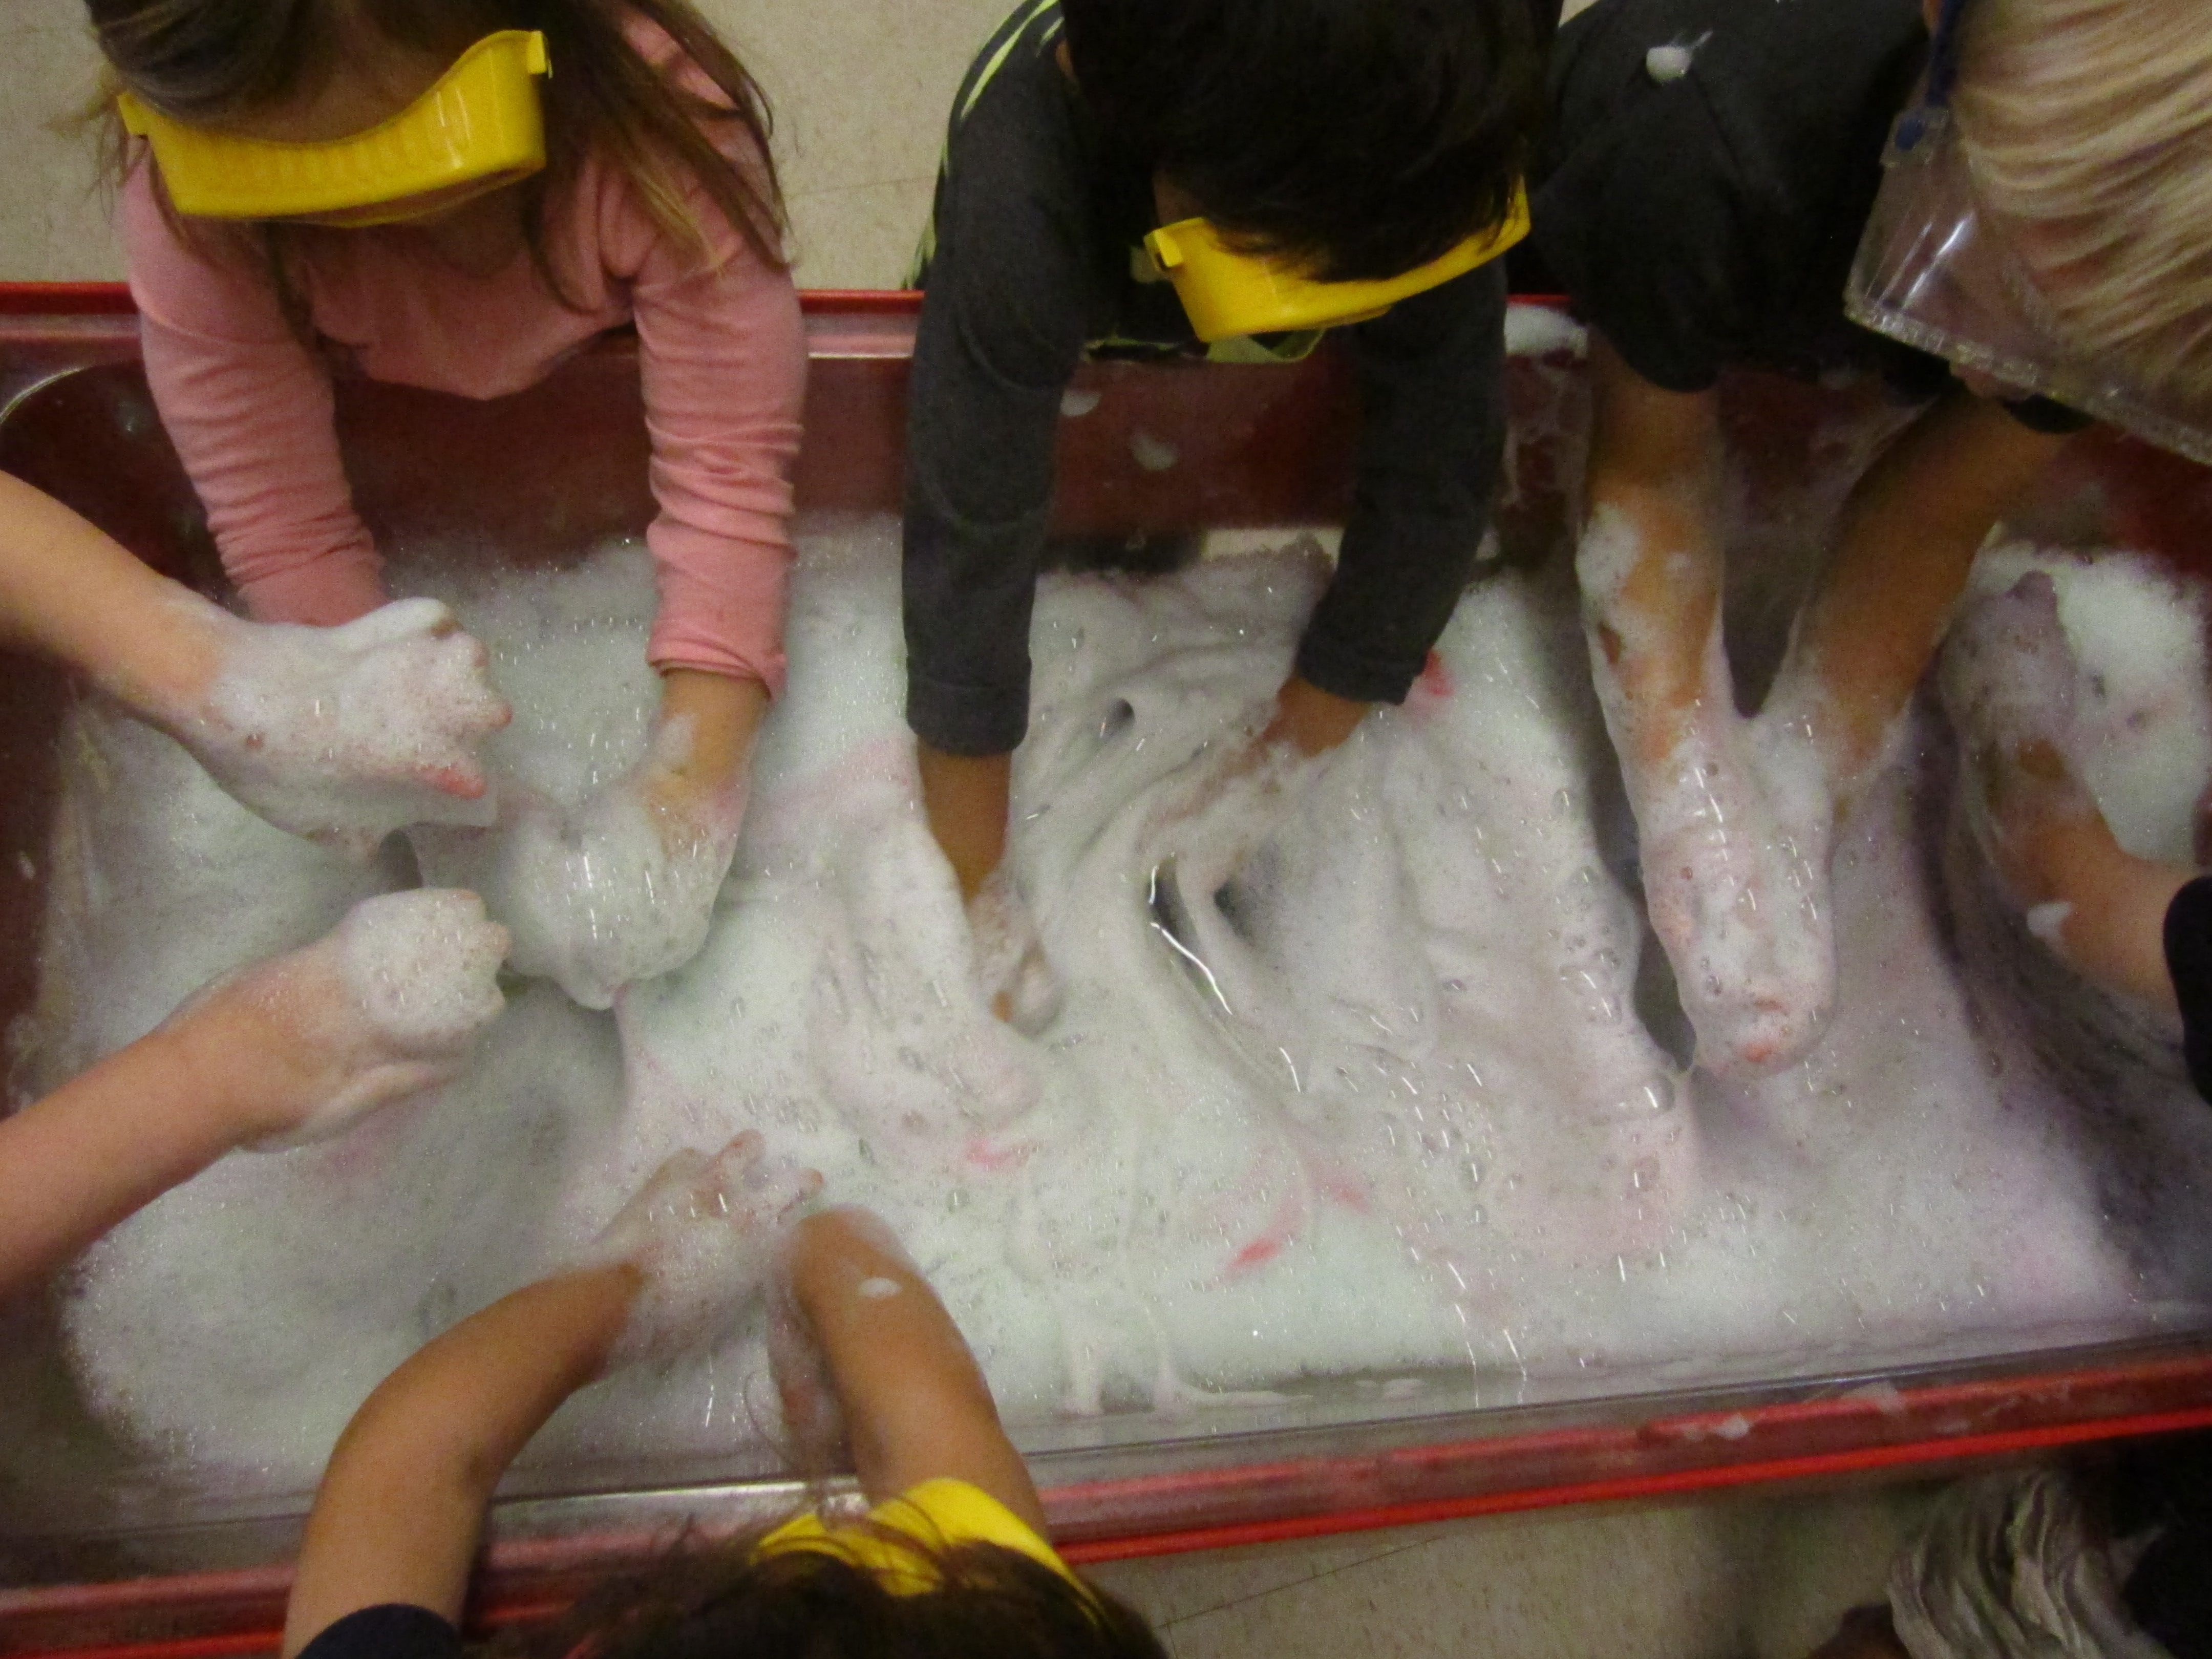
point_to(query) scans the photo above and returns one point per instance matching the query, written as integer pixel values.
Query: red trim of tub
(65, 299)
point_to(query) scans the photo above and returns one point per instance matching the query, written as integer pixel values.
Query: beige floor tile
(1173, 1588)
(861, 87)
(53, 223)
(1663, 1584)
(864, 237)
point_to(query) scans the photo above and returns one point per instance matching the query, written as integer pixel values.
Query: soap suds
(343, 734)
(1429, 1135)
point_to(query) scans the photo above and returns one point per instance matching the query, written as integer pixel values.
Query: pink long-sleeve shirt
(721, 352)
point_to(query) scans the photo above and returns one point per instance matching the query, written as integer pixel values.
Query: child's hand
(1231, 804)
(385, 1005)
(701, 1235)
(623, 889)
(345, 735)
(1011, 967)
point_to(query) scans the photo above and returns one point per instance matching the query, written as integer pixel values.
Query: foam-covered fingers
(423, 968)
(386, 1008)
(702, 1234)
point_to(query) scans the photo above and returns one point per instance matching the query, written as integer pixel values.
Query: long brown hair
(200, 60)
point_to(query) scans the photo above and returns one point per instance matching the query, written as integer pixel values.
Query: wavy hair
(202, 60)
(2088, 127)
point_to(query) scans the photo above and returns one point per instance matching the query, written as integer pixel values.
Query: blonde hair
(2088, 126)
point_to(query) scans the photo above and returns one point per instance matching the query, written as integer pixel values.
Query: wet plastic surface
(100, 1553)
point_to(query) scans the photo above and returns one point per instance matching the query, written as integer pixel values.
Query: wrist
(1310, 720)
(703, 739)
(169, 673)
(218, 1100)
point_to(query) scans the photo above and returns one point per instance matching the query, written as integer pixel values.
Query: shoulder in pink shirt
(721, 354)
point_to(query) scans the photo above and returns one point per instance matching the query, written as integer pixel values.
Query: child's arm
(340, 734)
(397, 1515)
(70, 593)
(968, 798)
(248, 405)
(914, 1403)
(401, 1504)
(1905, 545)
(1651, 564)
(290, 1049)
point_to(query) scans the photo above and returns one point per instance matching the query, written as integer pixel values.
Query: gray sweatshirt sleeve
(1004, 320)
(1432, 436)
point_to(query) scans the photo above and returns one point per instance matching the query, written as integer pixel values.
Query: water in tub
(1390, 1109)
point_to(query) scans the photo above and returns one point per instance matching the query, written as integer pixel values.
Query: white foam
(2048, 922)
(2140, 732)
(702, 1234)
(1431, 1132)
(337, 733)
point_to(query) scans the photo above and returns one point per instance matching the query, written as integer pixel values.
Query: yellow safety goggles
(479, 125)
(1228, 295)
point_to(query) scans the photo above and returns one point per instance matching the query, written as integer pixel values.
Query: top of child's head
(313, 71)
(728, 1601)
(1363, 138)
(2088, 126)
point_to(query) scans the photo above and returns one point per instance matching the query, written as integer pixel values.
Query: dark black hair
(1359, 137)
(727, 1601)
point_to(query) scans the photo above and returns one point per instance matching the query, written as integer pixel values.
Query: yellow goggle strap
(1229, 295)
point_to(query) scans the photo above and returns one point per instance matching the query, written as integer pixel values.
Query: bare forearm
(101, 1147)
(967, 798)
(70, 592)
(402, 1504)
(916, 1404)
(1651, 564)
(723, 716)
(1904, 547)
(1312, 720)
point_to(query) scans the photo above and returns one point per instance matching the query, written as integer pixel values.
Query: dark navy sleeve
(1432, 436)
(392, 1632)
(1004, 315)
(2188, 959)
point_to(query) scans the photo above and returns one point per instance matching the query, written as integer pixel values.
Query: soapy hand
(1230, 804)
(623, 889)
(344, 734)
(1011, 970)
(702, 1235)
(385, 1005)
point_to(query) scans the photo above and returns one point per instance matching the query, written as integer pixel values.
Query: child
(1344, 139)
(657, 206)
(952, 1559)
(2132, 925)
(287, 1051)
(341, 736)
(1711, 166)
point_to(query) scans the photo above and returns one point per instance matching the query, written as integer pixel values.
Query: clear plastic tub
(98, 1553)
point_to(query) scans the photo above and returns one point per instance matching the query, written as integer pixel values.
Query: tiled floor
(1731, 1579)
(861, 89)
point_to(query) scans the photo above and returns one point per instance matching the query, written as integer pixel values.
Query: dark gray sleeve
(1003, 324)
(1432, 375)
(394, 1630)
